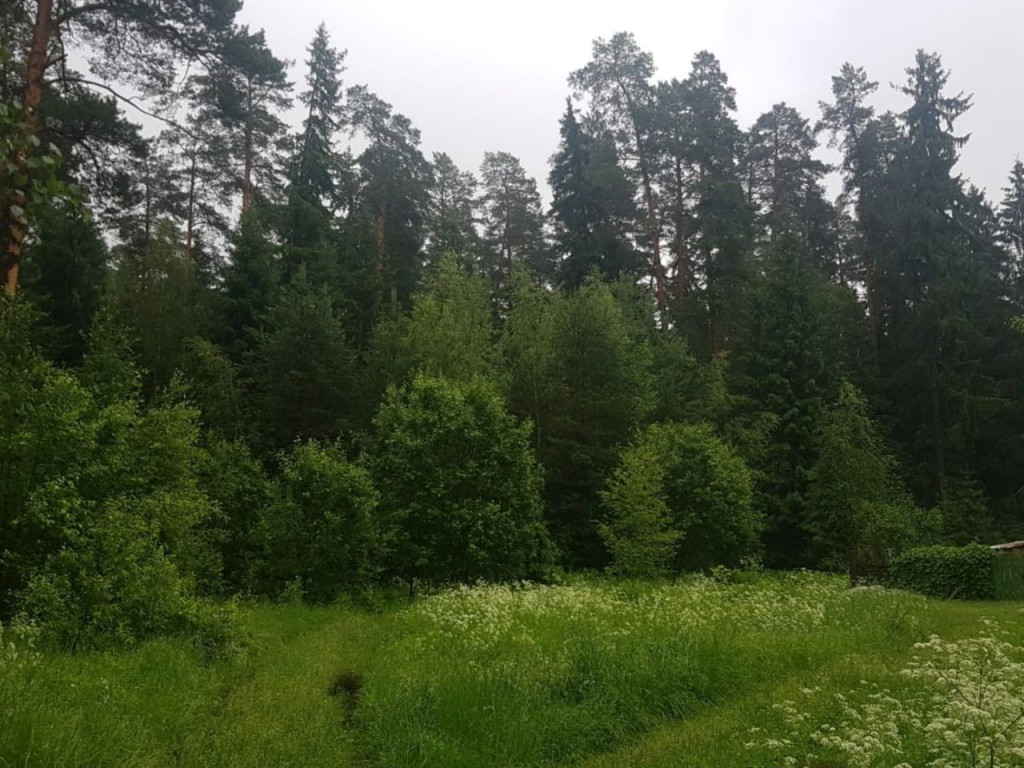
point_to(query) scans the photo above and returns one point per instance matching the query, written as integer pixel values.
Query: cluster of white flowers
(961, 706)
(483, 615)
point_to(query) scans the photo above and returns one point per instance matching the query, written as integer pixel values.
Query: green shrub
(965, 573)
(112, 584)
(638, 531)
(681, 496)
(459, 484)
(322, 534)
(104, 531)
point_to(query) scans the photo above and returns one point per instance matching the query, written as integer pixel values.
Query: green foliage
(580, 373)
(1008, 572)
(681, 489)
(459, 484)
(65, 274)
(112, 584)
(156, 293)
(322, 534)
(638, 532)
(213, 385)
(450, 332)
(785, 371)
(964, 573)
(104, 526)
(304, 368)
(861, 512)
(243, 493)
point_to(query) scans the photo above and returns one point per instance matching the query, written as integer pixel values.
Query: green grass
(594, 674)
(160, 705)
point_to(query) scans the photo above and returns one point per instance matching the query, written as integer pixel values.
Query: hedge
(964, 573)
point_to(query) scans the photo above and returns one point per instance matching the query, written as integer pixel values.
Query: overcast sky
(475, 76)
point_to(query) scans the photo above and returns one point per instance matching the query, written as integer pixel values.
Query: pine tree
(784, 375)
(304, 368)
(251, 286)
(452, 214)
(138, 43)
(941, 290)
(618, 81)
(393, 197)
(713, 222)
(244, 94)
(513, 221)
(784, 182)
(1011, 233)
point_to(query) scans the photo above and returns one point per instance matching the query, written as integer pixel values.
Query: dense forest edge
(248, 359)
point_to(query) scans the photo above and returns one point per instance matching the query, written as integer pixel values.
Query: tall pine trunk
(14, 230)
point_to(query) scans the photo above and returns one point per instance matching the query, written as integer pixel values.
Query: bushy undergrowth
(533, 675)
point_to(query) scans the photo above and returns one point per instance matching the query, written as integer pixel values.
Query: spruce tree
(592, 206)
(311, 190)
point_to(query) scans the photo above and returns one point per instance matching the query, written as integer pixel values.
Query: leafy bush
(638, 531)
(322, 533)
(966, 573)
(680, 496)
(244, 493)
(459, 484)
(861, 513)
(103, 524)
(112, 584)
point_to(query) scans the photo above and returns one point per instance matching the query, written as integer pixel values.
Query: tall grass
(535, 676)
(163, 705)
(593, 673)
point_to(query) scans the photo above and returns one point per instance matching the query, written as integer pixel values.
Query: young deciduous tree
(459, 484)
(680, 491)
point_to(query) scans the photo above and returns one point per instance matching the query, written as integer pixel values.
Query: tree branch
(130, 102)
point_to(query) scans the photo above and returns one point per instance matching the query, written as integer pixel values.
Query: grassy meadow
(774, 670)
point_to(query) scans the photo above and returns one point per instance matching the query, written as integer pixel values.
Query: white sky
(478, 76)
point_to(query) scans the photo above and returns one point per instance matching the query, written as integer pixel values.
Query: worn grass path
(718, 735)
(284, 711)
(160, 707)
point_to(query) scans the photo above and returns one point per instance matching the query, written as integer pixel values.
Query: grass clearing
(592, 674)
(161, 705)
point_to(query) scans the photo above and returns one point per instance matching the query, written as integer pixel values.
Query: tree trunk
(14, 233)
(382, 218)
(247, 149)
(655, 231)
(190, 227)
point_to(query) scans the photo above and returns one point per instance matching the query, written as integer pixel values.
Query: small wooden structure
(1010, 548)
(1008, 570)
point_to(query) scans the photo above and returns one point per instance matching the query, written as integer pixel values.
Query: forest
(248, 358)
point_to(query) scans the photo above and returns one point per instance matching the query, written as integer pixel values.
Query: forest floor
(781, 670)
